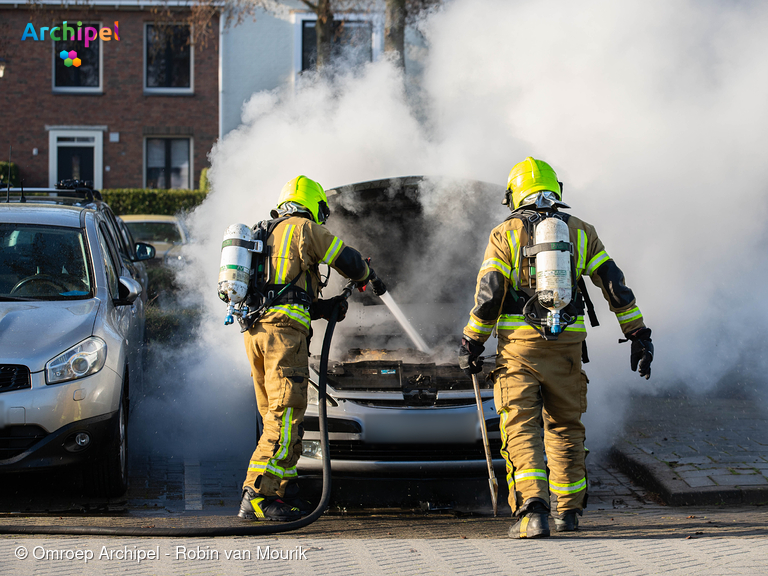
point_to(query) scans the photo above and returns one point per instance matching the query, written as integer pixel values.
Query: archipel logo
(70, 58)
(68, 33)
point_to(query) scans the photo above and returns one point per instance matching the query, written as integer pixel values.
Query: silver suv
(71, 338)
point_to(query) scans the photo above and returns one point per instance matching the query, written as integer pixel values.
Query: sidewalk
(697, 451)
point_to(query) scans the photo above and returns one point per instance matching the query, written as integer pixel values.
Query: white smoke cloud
(652, 113)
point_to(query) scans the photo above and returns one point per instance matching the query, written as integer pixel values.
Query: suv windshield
(155, 231)
(43, 263)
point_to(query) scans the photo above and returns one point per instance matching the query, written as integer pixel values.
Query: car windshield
(43, 263)
(155, 231)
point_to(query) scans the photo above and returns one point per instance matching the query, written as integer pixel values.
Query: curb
(658, 477)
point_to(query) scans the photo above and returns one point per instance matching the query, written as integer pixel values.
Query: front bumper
(415, 469)
(58, 448)
(412, 442)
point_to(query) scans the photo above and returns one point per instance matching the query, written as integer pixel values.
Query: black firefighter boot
(567, 521)
(292, 498)
(259, 507)
(533, 520)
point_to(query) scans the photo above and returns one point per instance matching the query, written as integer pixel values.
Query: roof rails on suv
(74, 189)
(79, 189)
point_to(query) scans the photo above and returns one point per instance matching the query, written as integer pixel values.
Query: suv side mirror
(128, 290)
(144, 251)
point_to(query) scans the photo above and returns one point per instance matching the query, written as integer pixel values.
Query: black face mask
(323, 211)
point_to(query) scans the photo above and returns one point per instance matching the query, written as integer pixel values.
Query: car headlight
(314, 398)
(80, 361)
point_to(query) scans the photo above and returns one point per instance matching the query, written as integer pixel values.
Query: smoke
(652, 113)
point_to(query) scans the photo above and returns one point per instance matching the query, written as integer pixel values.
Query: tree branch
(313, 7)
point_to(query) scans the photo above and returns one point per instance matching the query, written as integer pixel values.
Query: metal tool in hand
(492, 483)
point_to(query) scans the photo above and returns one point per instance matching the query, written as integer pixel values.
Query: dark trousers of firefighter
(541, 383)
(279, 366)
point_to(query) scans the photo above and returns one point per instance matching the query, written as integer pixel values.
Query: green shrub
(4, 174)
(148, 201)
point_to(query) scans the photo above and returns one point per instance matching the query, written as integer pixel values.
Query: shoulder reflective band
(599, 259)
(332, 251)
(496, 264)
(530, 251)
(256, 246)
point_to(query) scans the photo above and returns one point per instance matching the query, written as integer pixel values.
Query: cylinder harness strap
(533, 313)
(261, 294)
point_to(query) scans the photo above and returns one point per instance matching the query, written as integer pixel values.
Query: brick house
(138, 111)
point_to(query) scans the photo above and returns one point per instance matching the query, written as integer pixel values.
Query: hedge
(148, 201)
(171, 326)
(4, 174)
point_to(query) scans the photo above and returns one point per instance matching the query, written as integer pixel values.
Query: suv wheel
(109, 476)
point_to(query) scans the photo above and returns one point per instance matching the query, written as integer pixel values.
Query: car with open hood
(71, 336)
(395, 410)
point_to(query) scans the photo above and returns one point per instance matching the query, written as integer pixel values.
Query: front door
(76, 153)
(75, 162)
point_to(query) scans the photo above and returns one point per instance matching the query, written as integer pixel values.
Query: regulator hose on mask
(259, 529)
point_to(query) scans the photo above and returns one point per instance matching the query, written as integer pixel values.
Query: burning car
(394, 409)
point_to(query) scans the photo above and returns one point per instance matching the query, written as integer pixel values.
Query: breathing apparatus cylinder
(235, 271)
(553, 271)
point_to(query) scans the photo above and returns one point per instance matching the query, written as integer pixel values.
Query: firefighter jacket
(503, 284)
(297, 247)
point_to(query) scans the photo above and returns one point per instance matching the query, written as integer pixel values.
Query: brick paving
(697, 449)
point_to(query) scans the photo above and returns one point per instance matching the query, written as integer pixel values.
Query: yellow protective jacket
(297, 247)
(504, 276)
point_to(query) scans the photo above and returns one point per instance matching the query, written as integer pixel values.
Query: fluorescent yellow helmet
(308, 194)
(528, 177)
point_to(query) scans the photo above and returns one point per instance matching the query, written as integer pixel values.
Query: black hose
(258, 530)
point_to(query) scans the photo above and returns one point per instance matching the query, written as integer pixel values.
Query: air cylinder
(235, 269)
(553, 270)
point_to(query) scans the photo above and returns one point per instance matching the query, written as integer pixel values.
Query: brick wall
(28, 103)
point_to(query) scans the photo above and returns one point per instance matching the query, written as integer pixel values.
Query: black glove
(470, 360)
(379, 287)
(324, 308)
(641, 355)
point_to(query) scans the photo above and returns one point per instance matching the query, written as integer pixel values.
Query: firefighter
(277, 343)
(538, 379)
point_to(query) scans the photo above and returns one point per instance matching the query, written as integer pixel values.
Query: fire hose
(258, 530)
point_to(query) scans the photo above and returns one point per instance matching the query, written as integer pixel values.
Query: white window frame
(78, 89)
(377, 34)
(95, 132)
(167, 137)
(171, 91)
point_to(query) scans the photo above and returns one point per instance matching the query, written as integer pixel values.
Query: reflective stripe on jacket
(504, 274)
(298, 245)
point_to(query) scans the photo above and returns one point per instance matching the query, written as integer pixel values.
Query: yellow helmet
(306, 193)
(528, 177)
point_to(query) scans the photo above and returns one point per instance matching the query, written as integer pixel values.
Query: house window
(83, 76)
(168, 58)
(168, 162)
(352, 41)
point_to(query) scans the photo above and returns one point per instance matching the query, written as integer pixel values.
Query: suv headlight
(313, 396)
(80, 361)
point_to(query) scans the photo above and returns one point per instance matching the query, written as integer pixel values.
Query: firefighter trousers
(541, 384)
(279, 365)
